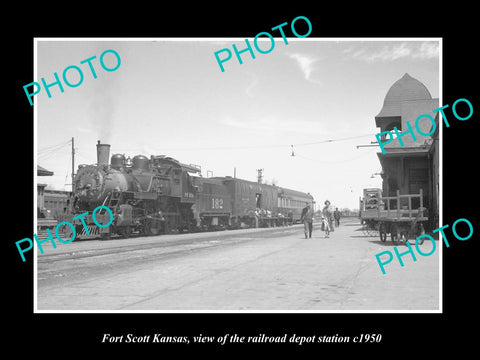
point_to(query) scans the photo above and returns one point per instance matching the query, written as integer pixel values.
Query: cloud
(84, 129)
(252, 83)
(422, 51)
(428, 50)
(305, 63)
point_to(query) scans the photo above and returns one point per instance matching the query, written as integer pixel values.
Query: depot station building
(415, 165)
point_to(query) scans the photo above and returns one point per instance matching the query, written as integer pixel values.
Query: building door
(258, 201)
(418, 179)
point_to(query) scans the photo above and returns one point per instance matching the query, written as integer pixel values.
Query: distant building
(41, 190)
(57, 202)
(415, 165)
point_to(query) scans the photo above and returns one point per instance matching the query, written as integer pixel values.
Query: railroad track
(80, 261)
(157, 244)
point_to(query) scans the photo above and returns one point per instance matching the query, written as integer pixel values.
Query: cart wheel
(421, 231)
(383, 234)
(395, 235)
(365, 229)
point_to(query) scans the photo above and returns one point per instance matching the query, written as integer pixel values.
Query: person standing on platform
(325, 226)
(307, 219)
(328, 213)
(336, 216)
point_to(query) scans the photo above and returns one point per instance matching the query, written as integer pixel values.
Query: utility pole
(73, 164)
(260, 175)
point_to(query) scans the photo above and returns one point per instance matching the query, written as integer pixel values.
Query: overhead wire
(49, 151)
(333, 140)
(320, 161)
(259, 146)
(54, 147)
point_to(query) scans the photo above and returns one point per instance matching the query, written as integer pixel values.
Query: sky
(316, 97)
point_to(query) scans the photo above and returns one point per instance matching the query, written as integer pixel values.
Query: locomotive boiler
(148, 196)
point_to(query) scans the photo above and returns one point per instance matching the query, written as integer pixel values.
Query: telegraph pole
(260, 175)
(73, 164)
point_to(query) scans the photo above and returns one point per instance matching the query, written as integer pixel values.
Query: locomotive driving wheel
(67, 231)
(125, 231)
(152, 227)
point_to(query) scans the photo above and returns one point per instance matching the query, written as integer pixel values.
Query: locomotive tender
(160, 194)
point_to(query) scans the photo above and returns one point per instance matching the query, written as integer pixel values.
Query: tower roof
(405, 89)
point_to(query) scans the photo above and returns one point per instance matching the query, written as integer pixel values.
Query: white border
(393, 39)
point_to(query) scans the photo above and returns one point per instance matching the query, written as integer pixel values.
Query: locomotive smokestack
(103, 153)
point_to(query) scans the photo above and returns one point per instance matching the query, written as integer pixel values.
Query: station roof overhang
(43, 172)
(419, 152)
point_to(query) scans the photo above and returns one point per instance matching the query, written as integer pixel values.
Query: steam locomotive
(159, 195)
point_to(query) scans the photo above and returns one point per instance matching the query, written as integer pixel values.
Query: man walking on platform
(307, 219)
(336, 216)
